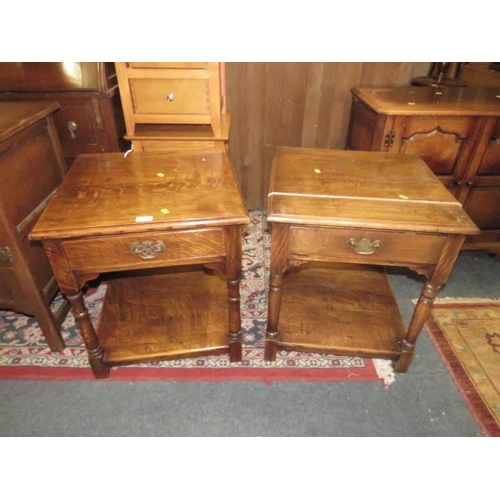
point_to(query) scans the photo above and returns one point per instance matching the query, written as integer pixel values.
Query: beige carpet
(466, 333)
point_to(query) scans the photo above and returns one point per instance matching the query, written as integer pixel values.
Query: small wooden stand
(172, 223)
(357, 212)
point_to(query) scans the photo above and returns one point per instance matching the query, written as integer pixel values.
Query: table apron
(145, 250)
(364, 246)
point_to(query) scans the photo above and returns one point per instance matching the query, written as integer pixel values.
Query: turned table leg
(273, 314)
(94, 349)
(70, 286)
(279, 243)
(233, 276)
(429, 293)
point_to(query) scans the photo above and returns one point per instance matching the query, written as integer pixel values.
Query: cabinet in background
(31, 168)
(457, 133)
(174, 105)
(480, 74)
(90, 119)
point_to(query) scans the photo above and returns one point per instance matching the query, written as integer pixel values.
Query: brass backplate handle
(72, 126)
(147, 249)
(5, 254)
(364, 246)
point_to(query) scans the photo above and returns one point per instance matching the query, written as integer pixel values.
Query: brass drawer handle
(72, 127)
(147, 249)
(364, 246)
(5, 254)
(170, 97)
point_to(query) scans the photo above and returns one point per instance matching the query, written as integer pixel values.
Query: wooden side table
(355, 212)
(135, 218)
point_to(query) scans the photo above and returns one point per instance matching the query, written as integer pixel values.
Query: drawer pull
(364, 246)
(170, 97)
(72, 127)
(147, 249)
(5, 254)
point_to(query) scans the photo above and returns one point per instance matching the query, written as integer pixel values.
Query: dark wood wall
(294, 104)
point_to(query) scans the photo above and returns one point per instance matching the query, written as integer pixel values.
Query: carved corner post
(429, 293)
(71, 287)
(233, 239)
(279, 246)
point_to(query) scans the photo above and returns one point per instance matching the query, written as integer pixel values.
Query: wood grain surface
(152, 318)
(450, 101)
(106, 194)
(370, 190)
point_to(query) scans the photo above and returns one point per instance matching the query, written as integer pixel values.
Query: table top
(105, 194)
(372, 190)
(16, 116)
(446, 101)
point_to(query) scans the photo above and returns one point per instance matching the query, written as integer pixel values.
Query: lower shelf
(163, 316)
(159, 137)
(340, 309)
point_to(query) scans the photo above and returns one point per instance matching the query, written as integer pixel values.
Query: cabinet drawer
(145, 250)
(346, 245)
(83, 123)
(80, 127)
(170, 96)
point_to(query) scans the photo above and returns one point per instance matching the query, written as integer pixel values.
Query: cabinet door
(482, 190)
(445, 143)
(368, 130)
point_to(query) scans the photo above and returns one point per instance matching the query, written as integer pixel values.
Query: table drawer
(170, 96)
(353, 245)
(145, 250)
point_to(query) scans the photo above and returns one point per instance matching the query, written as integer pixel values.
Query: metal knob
(72, 127)
(170, 97)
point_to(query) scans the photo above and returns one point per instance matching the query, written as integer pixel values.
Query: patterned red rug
(24, 353)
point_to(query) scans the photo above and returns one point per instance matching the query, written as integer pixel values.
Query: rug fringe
(451, 300)
(385, 370)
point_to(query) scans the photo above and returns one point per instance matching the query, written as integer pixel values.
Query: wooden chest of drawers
(90, 119)
(170, 105)
(31, 168)
(456, 131)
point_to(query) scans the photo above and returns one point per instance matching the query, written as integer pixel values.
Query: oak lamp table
(166, 226)
(345, 215)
